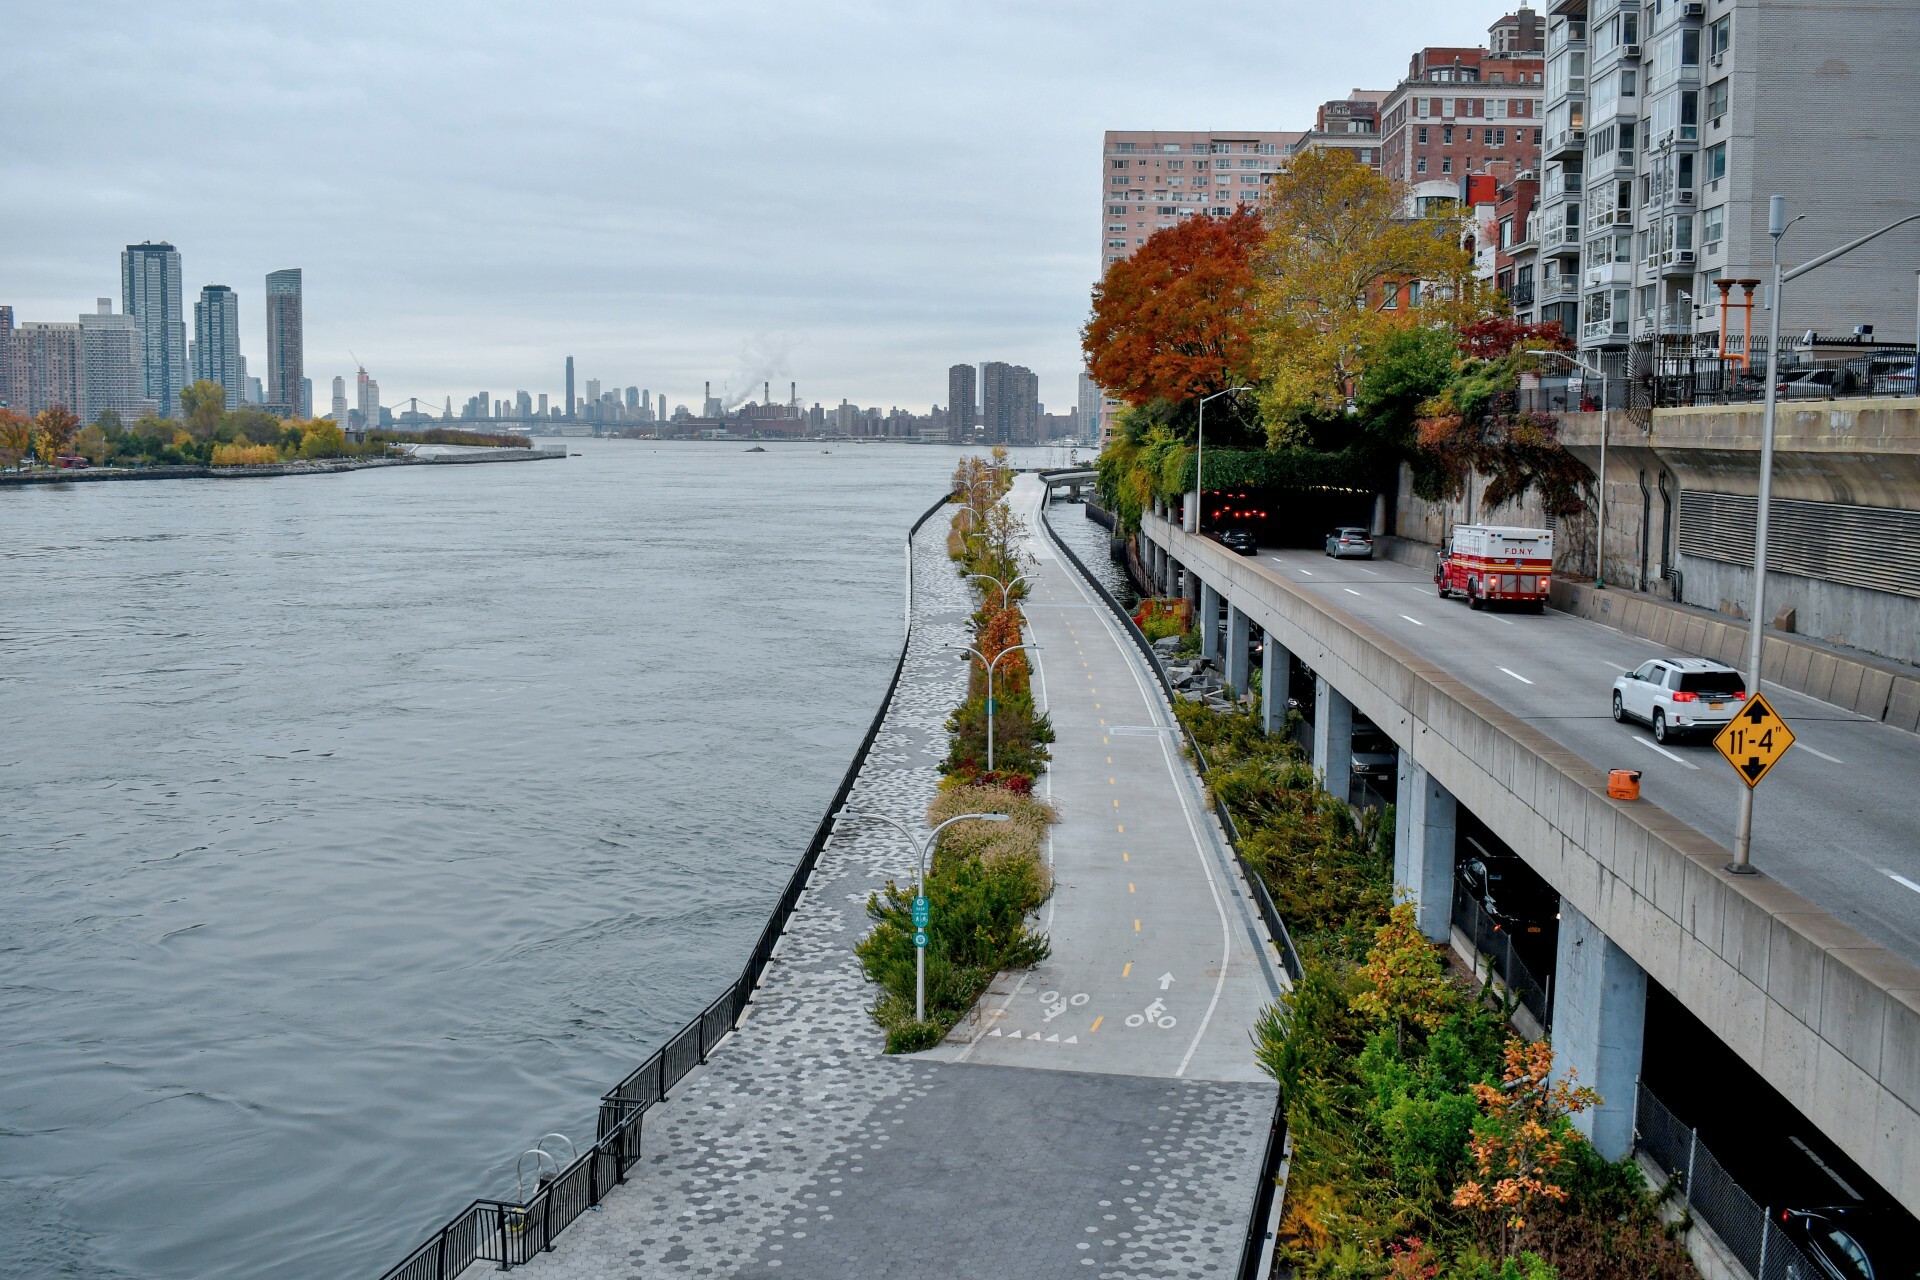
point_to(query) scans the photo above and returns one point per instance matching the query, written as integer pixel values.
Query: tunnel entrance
(1288, 517)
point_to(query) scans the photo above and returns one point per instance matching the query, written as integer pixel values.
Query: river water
(357, 830)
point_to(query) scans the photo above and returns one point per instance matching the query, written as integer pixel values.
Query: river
(357, 830)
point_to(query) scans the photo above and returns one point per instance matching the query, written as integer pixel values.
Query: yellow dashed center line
(1136, 926)
(1129, 969)
(1096, 1024)
(1129, 886)
(1125, 858)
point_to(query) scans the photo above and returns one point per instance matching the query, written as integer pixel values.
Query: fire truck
(1496, 564)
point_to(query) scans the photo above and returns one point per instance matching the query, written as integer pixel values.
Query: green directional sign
(919, 937)
(922, 912)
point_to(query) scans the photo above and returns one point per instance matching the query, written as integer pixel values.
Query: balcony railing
(1521, 295)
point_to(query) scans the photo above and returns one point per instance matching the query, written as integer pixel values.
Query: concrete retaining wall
(1830, 1017)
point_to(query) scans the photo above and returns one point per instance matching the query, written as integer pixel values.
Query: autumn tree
(1339, 272)
(1405, 983)
(1172, 321)
(16, 438)
(53, 430)
(204, 403)
(1523, 1140)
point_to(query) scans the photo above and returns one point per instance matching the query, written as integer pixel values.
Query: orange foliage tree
(1523, 1139)
(1172, 322)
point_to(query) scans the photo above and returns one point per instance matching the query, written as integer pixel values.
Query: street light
(1199, 451)
(1016, 648)
(1600, 552)
(1005, 587)
(921, 909)
(1777, 225)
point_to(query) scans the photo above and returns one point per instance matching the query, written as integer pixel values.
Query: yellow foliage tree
(322, 440)
(16, 438)
(1340, 269)
(1405, 982)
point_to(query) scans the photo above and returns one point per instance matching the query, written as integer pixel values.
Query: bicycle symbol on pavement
(1055, 1004)
(1155, 1013)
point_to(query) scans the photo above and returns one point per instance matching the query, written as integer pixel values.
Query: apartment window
(1269, 149)
(1689, 115)
(1622, 247)
(1446, 107)
(1421, 107)
(1199, 182)
(1420, 165)
(1165, 210)
(1717, 100)
(1121, 164)
(1536, 137)
(1124, 148)
(1506, 233)
(1249, 164)
(1720, 36)
(1116, 244)
(1712, 225)
(1176, 164)
(1716, 162)
(1199, 164)
(1423, 135)
(1116, 211)
(1171, 147)
(1643, 300)
(1446, 133)
(1119, 182)
(1366, 155)
(1446, 164)
(1499, 137)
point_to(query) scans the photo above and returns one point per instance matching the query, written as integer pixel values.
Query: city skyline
(739, 242)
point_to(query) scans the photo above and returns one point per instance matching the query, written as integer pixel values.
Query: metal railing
(1496, 945)
(1711, 1194)
(1253, 1247)
(507, 1233)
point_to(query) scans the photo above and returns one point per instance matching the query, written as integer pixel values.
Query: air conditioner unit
(1684, 195)
(1683, 257)
(1717, 120)
(1693, 10)
(1630, 50)
(1718, 59)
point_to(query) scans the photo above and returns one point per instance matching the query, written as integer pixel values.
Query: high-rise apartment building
(960, 402)
(1153, 178)
(368, 395)
(286, 344)
(523, 405)
(1692, 115)
(216, 336)
(111, 372)
(339, 410)
(9, 380)
(1009, 403)
(543, 404)
(1462, 108)
(1088, 406)
(46, 361)
(150, 291)
(306, 397)
(569, 412)
(593, 391)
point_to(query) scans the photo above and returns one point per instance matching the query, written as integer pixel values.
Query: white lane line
(1899, 879)
(1415, 621)
(1516, 675)
(1616, 666)
(1369, 572)
(1350, 591)
(1308, 572)
(1823, 755)
(1504, 621)
(1651, 745)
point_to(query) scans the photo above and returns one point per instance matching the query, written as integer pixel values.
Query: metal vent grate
(1873, 547)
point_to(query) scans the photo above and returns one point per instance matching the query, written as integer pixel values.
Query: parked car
(1679, 695)
(1895, 379)
(1374, 753)
(1240, 540)
(1512, 894)
(1350, 542)
(1854, 1241)
(1816, 384)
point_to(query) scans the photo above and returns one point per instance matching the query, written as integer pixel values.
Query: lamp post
(1777, 224)
(1005, 587)
(1600, 535)
(922, 911)
(1199, 452)
(1014, 648)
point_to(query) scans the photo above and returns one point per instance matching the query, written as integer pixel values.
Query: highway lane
(1838, 819)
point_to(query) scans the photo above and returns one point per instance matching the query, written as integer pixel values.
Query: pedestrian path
(802, 1150)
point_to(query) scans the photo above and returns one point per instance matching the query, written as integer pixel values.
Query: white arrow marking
(1166, 980)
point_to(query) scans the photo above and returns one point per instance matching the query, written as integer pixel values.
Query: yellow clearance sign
(1754, 740)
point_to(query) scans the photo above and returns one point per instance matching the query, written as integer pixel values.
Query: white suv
(1679, 695)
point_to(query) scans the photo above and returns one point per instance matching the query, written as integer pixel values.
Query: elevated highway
(1807, 971)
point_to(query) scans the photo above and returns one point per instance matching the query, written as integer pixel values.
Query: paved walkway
(803, 1151)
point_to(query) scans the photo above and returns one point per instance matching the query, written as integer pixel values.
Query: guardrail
(1709, 1193)
(1253, 1247)
(508, 1233)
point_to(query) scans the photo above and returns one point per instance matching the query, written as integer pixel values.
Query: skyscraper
(48, 355)
(339, 414)
(111, 376)
(959, 402)
(569, 412)
(369, 396)
(306, 397)
(286, 342)
(1089, 407)
(7, 375)
(1009, 403)
(150, 292)
(216, 336)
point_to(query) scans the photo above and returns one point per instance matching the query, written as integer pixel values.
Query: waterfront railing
(1254, 1247)
(507, 1233)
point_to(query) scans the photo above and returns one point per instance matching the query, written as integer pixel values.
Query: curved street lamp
(921, 909)
(1005, 587)
(1013, 648)
(1199, 451)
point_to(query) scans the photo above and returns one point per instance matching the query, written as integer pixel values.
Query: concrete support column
(1209, 622)
(1379, 515)
(1599, 1027)
(1239, 638)
(1332, 738)
(1276, 673)
(1426, 822)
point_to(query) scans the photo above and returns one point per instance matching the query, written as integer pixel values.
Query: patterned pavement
(802, 1150)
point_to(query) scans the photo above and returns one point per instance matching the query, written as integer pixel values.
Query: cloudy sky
(849, 193)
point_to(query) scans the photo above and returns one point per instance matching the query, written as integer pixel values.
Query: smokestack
(766, 392)
(793, 395)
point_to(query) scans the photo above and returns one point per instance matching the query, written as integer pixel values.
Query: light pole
(1600, 535)
(1014, 648)
(1199, 450)
(1777, 225)
(1005, 587)
(922, 911)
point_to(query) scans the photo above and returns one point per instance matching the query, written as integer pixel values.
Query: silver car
(1677, 696)
(1350, 543)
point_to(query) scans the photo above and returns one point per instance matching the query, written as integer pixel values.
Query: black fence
(507, 1234)
(1496, 944)
(1254, 1246)
(1710, 1193)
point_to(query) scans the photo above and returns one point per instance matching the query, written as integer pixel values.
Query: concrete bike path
(802, 1150)
(1160, 963)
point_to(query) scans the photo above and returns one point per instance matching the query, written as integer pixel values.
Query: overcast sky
(851, 194)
